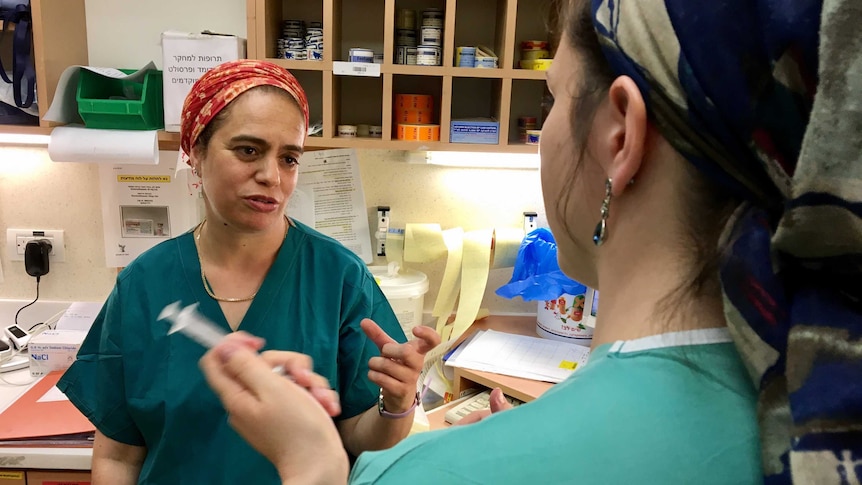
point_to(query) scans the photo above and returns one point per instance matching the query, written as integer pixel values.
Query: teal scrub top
(664, 416)
(141, 386)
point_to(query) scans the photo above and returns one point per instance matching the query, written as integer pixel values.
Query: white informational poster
(143, 205)
(329, 197)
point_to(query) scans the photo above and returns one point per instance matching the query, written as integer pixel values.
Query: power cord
(12, 355)
(38, 279)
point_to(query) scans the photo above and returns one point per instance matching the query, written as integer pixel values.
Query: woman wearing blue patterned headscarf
(765, 98)
(701, 167)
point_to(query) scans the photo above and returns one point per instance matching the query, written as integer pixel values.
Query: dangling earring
(195, 171)
(601, 232)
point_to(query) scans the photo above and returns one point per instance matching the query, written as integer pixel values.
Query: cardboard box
(484, 131)
(54, 350)
(58, 478)
(186, 58)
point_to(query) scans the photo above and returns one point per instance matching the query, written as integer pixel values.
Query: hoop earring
(601, 232)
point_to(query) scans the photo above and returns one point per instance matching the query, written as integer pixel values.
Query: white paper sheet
(79, 316)
(329, 197)
(521, 356)
(143, 206)
(87, 145)
(186, 57)
(53, 395)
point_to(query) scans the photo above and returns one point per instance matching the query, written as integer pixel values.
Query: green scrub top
(644, 414)
(141, 386)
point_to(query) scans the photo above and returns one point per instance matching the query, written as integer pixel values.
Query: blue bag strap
(23, 70)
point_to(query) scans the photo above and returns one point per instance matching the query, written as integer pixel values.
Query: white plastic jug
(405, 290)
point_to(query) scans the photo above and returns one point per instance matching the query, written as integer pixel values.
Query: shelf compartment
(417, 6)
(481, 22)
(433, 86)
(527, 100)
(358, 101)
(476, 98)
(533, 21)
(312, 83)
(363, 28)
(267, 18)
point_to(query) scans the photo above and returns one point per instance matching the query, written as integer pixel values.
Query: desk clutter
(42, 415)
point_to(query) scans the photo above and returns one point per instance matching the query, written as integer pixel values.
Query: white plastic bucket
(567, 319)
(405, 292)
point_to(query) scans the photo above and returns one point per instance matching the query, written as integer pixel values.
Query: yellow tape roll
(507, 243)
(475, 267)
(423, 243)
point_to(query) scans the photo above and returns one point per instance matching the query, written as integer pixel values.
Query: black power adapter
(36, 257)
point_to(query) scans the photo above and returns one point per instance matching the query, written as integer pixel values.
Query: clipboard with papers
(519, 356)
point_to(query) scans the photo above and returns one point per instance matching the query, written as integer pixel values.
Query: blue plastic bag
(537, 275)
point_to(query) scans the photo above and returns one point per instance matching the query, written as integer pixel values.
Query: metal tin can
(404, 53)
(432, 17)
(405, 19)
(358, 54)
(427, 55)
(348, 131)
(431, 36)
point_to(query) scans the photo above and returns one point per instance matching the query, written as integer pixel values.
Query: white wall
(124, 33)
(37, 193)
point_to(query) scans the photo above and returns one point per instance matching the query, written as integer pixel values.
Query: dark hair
(209, 130)
(707, 207)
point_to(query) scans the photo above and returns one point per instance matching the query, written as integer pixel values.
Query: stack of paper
(79, 316)
(520, 356)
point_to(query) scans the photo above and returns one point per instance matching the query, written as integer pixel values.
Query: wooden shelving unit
(504, 93)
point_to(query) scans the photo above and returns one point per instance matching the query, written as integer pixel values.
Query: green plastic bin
(118, 104)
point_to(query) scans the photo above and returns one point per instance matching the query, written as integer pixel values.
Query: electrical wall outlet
(17, 239)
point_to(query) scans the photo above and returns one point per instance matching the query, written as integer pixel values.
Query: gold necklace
(206, 284)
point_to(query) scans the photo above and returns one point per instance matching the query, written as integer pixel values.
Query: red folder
(26, 418)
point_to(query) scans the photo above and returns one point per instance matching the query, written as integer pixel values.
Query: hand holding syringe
(191, 323)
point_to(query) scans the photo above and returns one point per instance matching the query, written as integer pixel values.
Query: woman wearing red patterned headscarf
(248, 267)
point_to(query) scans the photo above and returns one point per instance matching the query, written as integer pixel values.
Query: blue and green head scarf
(764, 97)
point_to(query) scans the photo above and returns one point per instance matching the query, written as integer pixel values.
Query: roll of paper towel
(76, 144)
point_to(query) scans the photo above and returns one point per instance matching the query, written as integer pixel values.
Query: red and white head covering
(224, 83)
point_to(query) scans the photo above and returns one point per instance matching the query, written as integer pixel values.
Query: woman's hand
(498, 403)
(297, 367)
(286, 422)
(397, 369)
